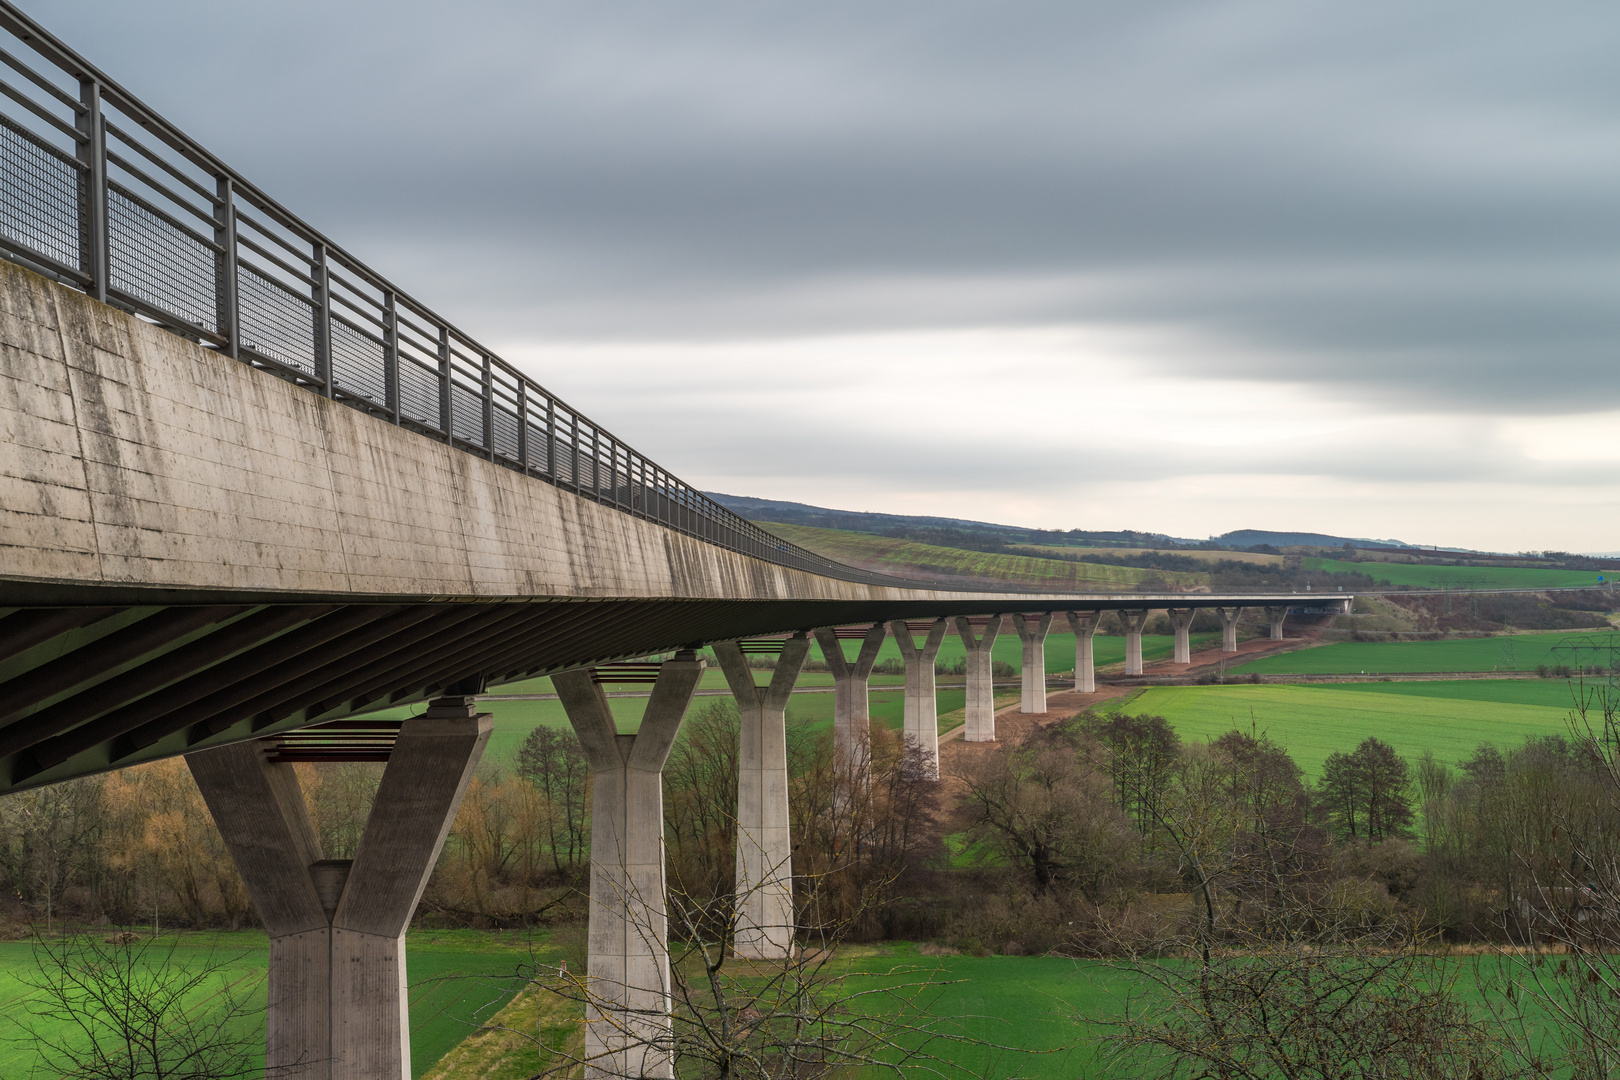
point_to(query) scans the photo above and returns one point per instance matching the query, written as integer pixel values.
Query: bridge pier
(765, 918)
(1181, 619)
(1133, 622)
(627, 1014)
(922, 710)
(1084, 625)
(1277, 615)
(1033, 637)
(852, 716)
(980, 721)
(337, 1000)
(1229, 625)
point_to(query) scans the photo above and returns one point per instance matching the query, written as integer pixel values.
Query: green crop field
(890, 555)
(1461, 577)
(1449, 718)
(1512, 652)
(457, 979)
(1256, 558)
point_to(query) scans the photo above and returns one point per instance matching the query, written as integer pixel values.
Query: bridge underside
(89, 687)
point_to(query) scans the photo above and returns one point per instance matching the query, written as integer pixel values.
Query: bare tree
(131, 1008)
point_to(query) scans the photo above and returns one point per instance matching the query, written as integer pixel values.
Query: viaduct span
(249, 487)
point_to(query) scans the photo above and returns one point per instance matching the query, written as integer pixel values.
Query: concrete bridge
(249, 487)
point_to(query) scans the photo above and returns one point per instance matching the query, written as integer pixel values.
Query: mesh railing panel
(467, 414)
(506, 433)
(418, 393)
(42, 191)
(276, 322)
(155, 260)
(359, 364)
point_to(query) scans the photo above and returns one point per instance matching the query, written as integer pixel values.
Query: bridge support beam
(765, 920)
(1033, 637)
(627, 1015)
(1181, 619)
(1133, 622)
(980, 721)
(921, 728)
(337, 927)
(1229, 623)
(852, 715)
(1084, 625)
(1277, 615)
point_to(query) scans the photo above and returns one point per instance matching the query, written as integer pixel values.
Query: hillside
(909, 558)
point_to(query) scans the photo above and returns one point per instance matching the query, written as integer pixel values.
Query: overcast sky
(1189, 267)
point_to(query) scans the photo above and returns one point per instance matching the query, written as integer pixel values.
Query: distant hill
(1251, 537)
(819, 517)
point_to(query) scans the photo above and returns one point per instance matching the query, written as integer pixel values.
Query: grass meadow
(1461, 577)
(1449, 718)
(1513, 652)
(445, 1003)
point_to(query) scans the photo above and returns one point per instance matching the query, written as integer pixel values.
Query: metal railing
(100, 192)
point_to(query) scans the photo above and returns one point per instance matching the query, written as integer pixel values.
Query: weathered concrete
(765, 918)
(852, 716)
(1133, 622)
(921, 728)
(1033, 638)
(1084, 625)
(1229, 624)
(1181, 620)
(1277, 615)
(337, 993)
(628, 1031)
(980, 722)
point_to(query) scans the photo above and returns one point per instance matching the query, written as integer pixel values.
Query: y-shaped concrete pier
(337, 1001)
(1229, 624)
(627, 1016)
(1133, 622)
(1084, 625)
(1277, 615)
(765, 919)
(1033, 637)
(852, 715)
(921, 727)
(1181, 620)
(980, 721)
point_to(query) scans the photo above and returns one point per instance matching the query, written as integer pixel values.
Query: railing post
(226, 313)
(551, 438)
(391, 354)
(523, 423)
(322, 295)
(92, 153)
(489, 408)
(446, 417)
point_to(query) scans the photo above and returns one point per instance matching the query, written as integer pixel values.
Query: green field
(1513, 652)
(1461, 577)
(889, 555)
(444, 1007)
(1450, 718)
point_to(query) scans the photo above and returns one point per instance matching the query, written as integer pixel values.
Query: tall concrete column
(1277, 616)
(765, 921)
(980, 723)
(1229, 623)
(852, 716)
(1181, 619)
(1084, 625)
(337, 1000)
(1033, 636)
(922, 710)
(1133, 622)
(627, 1016)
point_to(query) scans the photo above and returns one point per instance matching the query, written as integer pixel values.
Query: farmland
(1515, 652)
(889, 555)
(1254, 558)
(1420, 576)
(1450, 718)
